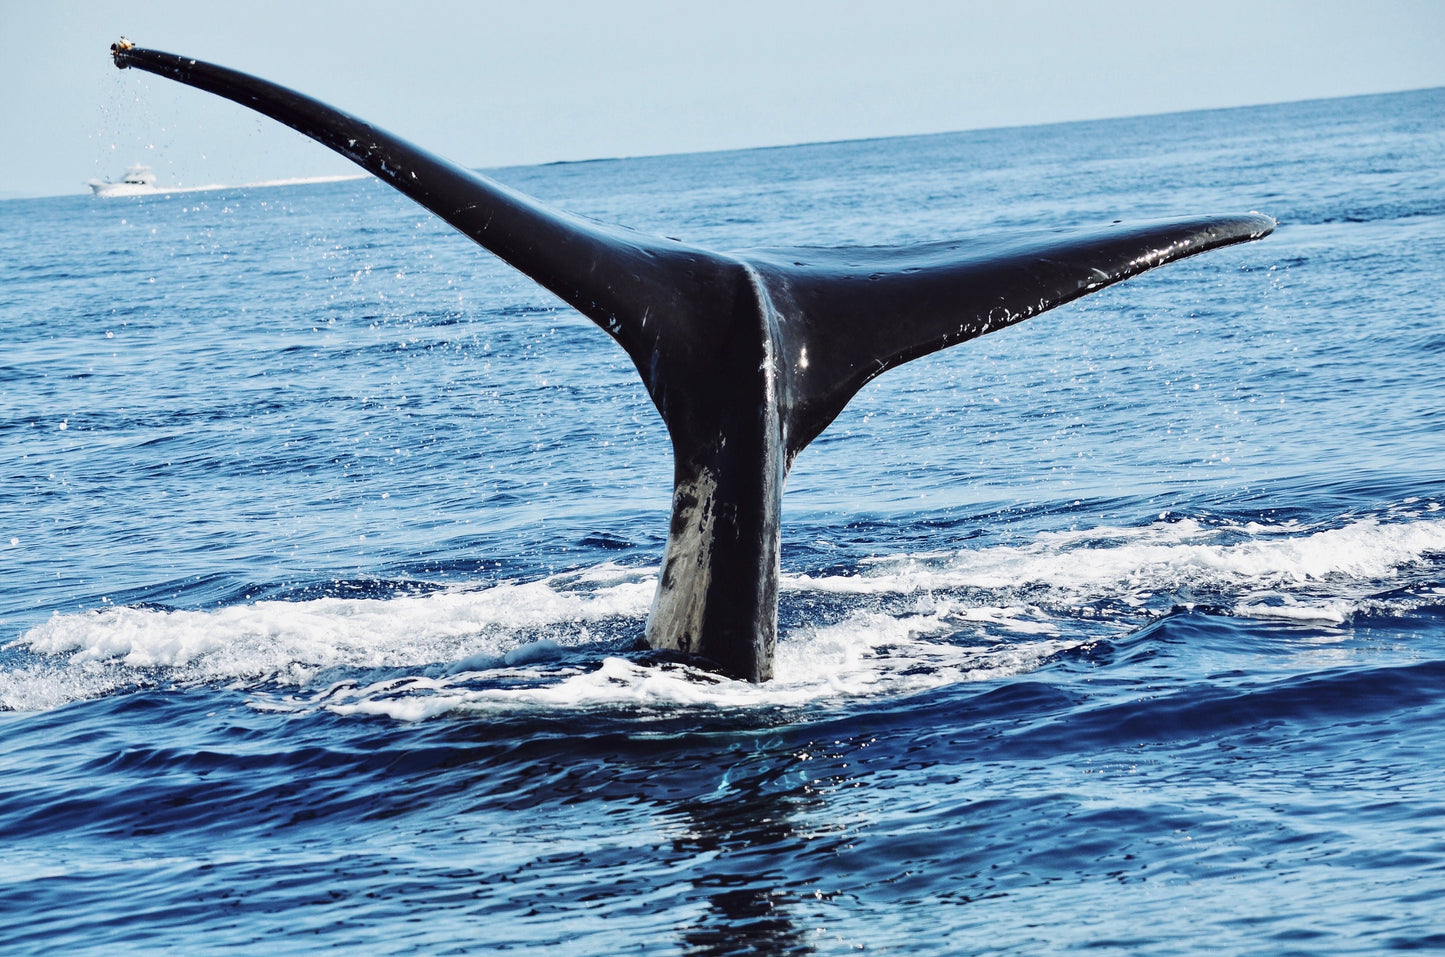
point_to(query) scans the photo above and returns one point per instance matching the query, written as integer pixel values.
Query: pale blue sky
(491, 84)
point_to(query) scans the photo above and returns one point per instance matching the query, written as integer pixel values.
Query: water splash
(898, 624)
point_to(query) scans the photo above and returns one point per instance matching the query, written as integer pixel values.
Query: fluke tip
(117, 49)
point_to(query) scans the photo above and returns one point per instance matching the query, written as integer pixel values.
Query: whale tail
(748, 356)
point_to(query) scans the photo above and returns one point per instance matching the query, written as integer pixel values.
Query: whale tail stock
(748, 356)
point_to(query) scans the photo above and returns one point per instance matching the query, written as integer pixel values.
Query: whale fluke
(747, 355)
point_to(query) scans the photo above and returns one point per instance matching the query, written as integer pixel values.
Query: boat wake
(143, 184)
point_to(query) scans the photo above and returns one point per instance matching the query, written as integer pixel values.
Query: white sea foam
(1135, 564)
(864, 655)
(903, 623)
(1333, 611)
(275, 636)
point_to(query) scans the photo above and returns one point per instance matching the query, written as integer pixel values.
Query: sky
(496, 84)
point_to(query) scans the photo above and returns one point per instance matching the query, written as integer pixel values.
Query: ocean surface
(327, 540)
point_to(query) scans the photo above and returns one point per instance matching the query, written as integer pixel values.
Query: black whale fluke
(747, 355)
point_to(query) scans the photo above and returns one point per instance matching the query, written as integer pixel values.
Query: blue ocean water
(326, 541)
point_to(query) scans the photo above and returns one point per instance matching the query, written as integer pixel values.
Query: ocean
(327, 540)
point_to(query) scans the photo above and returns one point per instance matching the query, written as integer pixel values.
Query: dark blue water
(326, 542)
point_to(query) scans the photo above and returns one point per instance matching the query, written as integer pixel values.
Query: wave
(1255, 566)
(889, 625)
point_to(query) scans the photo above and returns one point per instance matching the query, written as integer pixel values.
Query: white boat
(137, 180)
